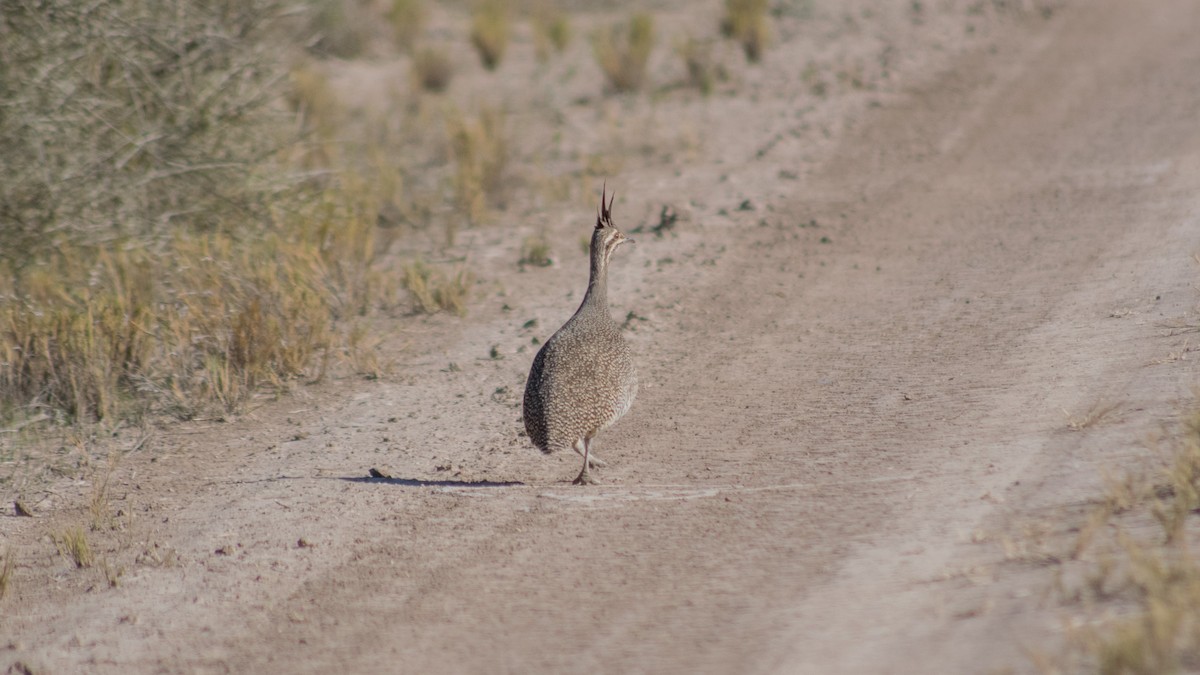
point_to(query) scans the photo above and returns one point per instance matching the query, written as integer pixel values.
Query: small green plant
(697, 58)
(72, 543)
(432, 69)
(551, 32)
(623, 52)
(407, 18)
(746, 22)
(535, 251)
(480, 149)
(489, 31)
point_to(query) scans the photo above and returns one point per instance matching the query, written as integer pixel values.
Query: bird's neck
(596, 298)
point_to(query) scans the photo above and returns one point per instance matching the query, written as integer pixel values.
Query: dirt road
(860, 380)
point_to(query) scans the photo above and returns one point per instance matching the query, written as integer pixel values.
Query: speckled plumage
(583, 379)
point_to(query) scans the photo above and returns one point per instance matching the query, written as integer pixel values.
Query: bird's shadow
(378, 477)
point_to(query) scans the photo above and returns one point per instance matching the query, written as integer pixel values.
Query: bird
(583, 378)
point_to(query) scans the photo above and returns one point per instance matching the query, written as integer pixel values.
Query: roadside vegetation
(1132, 576)
(157, 251)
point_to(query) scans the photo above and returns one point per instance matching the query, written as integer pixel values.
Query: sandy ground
(862, 348)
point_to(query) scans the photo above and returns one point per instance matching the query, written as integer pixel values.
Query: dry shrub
(746, 22)
(480, 149)
(432, 69)
(148, 261)
(130, 118)
(623, 52)
(1156, 574)
(489, 31)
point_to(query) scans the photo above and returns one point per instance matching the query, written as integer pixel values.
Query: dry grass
(362, 351)
(433, 291)
(72, 543)
(746, 22)
(1091, 417)
(407, 18)
(96, 334)
(1153, 572)
(479, 146)
(154, 257)
(6, 572)
(432, 69)
(490, 27)
(112, 573)
(551, 32)
(623, 52)
(535, 251)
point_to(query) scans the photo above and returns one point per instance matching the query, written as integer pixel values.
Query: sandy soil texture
(869, 346)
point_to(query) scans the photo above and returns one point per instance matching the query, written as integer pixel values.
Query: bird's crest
(604, 216)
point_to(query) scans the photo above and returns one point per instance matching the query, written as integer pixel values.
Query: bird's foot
(585, 478)
(595, 462)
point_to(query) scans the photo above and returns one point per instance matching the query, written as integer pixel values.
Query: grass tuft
(112, 573)
(432, 69)
(480, 149)
(697, 59)
(72, 543)
(746, 22)
(490, 31)
(6, 572)
(535, 251)
(623, 52)
(551, 32)
(433, 292)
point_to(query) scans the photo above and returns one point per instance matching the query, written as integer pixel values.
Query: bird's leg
(584, 477)
(594, 462)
